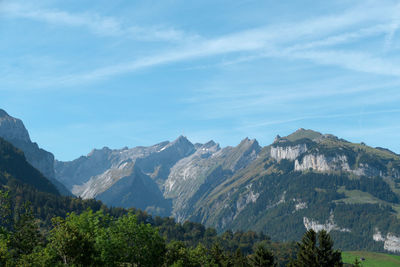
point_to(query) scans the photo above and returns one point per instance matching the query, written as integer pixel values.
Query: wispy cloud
(314, 117)
(301, 40)
(277, 41)
(95, 23)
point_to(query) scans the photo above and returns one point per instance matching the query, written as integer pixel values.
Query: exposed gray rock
(97, 175)
(192, 177)
(391, 241)
(322, 163)
(14, 131)
(288, 152)
(12, 128)
(328, 226)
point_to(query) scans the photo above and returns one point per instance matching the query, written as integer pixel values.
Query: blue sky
(87, 74)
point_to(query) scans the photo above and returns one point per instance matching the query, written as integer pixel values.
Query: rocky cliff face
(14, 131)
(12, 128)
(391, 242)
(322, 163)
(182, 171)
(100, 173)
(328, 226)
(187, 171)
(192, 177)
(288, 152)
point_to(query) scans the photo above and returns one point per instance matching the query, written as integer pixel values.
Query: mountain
(304, 180)
(193, 177)
(157, 173)
(15, 168)
(141, 170)
(14, 131)
(301, 181)
(310, 180)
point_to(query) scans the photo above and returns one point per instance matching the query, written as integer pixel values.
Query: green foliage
(371, 259)
(69, 244)
(262, 257)
(314, 254)
(25, 236)
(357, 263)
(138, 244)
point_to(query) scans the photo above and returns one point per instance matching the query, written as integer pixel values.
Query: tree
(70, 245)
(26, 235)
(177, 252)
(239, 260)
(327, 256)
(5, 211)
(5, 215)
(137, 244)
(262, 257)
(357, 263)
(200, 256)
(311, 255)
(217, 255)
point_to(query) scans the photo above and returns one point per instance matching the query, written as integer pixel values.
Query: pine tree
(262, 257)
(307, 254)
(311, 255)
(327, 256)
(239, 260)
(26, 235)
(217, 255)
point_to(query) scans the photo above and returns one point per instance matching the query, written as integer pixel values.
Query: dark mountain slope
(14, 131)
(13, 164)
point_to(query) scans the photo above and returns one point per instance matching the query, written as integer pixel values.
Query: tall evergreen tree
(262, 257)
(26, 235)
(327, 256)
(311, 255)
(217, 255)
(239, 260)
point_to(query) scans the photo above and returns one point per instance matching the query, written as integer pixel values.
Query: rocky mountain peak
(100, 151)
(209, 144)
(304, 134)
(247, 141)
(3, 113)
(12, 129)
(181, 144)
(181, 140)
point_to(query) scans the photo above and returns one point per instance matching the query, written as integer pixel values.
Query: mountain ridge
(301, 181)
(13, 130)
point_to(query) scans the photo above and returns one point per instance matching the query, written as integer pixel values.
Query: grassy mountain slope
(352, 189)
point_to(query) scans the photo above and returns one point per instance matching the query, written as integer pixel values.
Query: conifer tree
(327, 256)
(262, 257)
(239, 260)
(217, 255)
(26, 235)
(311, 254)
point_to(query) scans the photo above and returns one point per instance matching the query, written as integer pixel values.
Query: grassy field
(372, 259)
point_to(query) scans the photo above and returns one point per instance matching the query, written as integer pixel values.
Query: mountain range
(301, 181)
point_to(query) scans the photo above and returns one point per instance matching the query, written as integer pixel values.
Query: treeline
(99, 239)
(322, 194)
